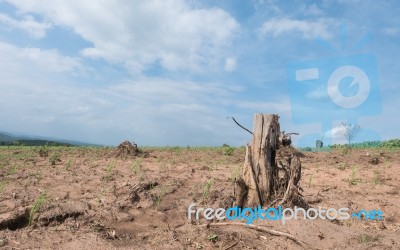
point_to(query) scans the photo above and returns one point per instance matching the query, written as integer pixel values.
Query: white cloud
(308, 29)
(230, 64)
(140, 33)
(27, 24)
(335, 132)
(33, 59)
(40, 95)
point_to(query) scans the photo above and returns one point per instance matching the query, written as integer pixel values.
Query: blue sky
(170, 72)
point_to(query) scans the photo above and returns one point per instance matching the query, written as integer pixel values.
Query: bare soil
(87, 198)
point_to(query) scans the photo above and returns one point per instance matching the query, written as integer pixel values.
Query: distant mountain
(5, 137)
(28, 140)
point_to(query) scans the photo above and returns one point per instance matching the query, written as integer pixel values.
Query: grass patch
(161, 194)
(12, 170)
(68, 164)
(377, 179)
(228, 150)
(110, 167)
(310, 178)
(342, 166)
(55, 158)
(353, 180)
(206, 188)
(345, 150)
(40, 200)
(2, 186)
(235, 172)
(365, 238)
(212, 237)
(137, 169)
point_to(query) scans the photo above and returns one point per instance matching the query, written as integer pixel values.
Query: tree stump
(262, 179)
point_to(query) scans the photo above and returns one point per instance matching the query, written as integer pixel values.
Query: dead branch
(240, 125)
(262, 229)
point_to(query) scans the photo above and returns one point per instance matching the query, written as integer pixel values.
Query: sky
(170, 72)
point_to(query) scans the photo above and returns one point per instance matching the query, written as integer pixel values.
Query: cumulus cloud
(138, 34)
(307, 28)
(335, 132)
(27, 24)
(33, 59)
(40, 88)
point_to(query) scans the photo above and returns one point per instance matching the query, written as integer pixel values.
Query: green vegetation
(377, 179)
(55, 158)
(160, 195)
(12, 170)
(353, 177)
(310, 177)
(68, 164)
(365, 238)
(109, 169)
(388, 144)
(342, 166)
(235, 172)
(2, 186)
(228, 150)
(206, 188)
(212, 237)
(36, 207)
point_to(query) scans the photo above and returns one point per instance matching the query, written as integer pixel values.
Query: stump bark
(263, 181)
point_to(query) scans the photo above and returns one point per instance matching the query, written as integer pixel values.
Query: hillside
(7, 139)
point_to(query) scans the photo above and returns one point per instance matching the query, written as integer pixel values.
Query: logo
(338, 88)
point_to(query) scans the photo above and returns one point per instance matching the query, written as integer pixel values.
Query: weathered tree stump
(263, 181)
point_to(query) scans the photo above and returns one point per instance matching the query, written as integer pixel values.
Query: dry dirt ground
(86, 198)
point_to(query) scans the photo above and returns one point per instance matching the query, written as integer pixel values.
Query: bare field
(81, 198)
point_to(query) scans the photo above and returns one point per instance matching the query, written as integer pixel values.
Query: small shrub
(212, 237)
(228, 150)
(206, 188)
(44, 151)
(54, 159)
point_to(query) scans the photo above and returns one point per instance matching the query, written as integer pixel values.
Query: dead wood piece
(263, 229)
(127, 148)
